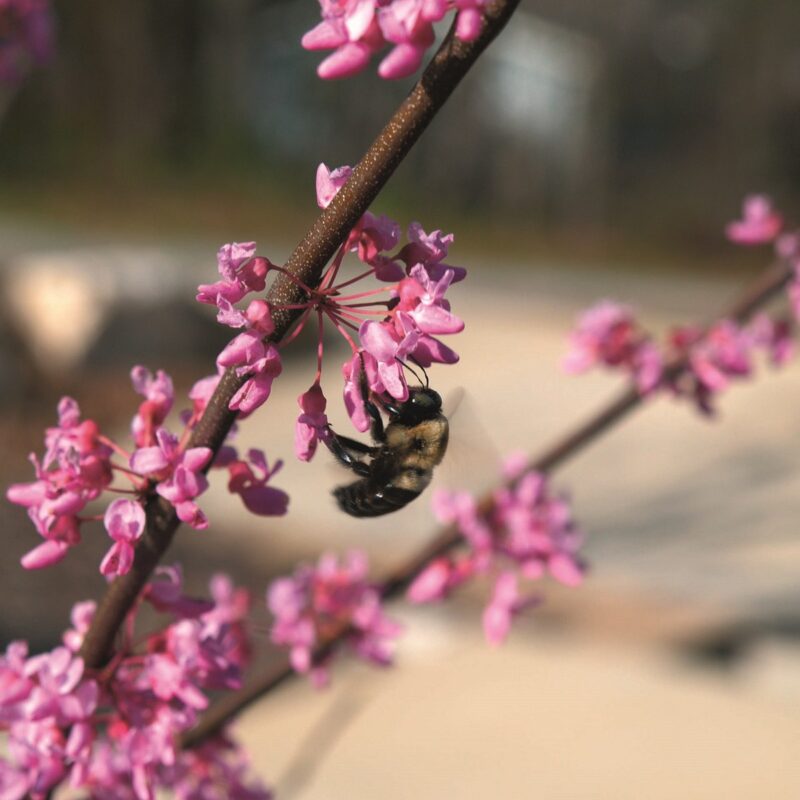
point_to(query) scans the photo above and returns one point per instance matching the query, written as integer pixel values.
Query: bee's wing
(472, 458)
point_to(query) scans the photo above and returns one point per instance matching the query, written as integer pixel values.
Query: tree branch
(445, 71)
(763, 289)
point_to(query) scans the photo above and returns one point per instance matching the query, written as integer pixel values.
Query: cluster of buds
(525, 532)
(357, 29)
(608, 333)
(114, 733)
(80, 464)
(329, 601)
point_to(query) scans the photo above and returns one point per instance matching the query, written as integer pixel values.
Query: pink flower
(63, 534)
(526, 533)
(353, 395)
(75, 469)
(505, 604)
(201, 392)
(723, 353)
(165, 593)
(242, 272)
(159, 397)
(373, 236)
(124, 521)
(350, 28)
(329, 182)
(423, 299)
(774, 335)
(388, 349)
(256, 495)
(429, 250)
(312, 424)
(116, 736)
(328, 600)
(408, 25)
(187, 482)
(608, 334)
(760, 223)
(81, 617)
(248, 353)
(179, 474)
(433, 583)
(470, 21)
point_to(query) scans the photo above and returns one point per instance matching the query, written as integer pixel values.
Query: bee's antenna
(412, 371)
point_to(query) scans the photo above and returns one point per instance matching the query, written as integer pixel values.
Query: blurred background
(606, 149)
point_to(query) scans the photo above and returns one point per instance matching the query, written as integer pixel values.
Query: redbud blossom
(114, 734)
(774, 336)
(329, 181)
(159, 397)
(312, 424)
(528, 532)
(353, 395)
(327, 600)
(179, 474)
(351, 29)
(722, 353)
(256, 495)
(760, 222)
(429, 250)
(408, 25)
(357, 29)
(505, 604)
(75, 469)
(241, 273)
(248, 353)
(609, 334)
(124, 521)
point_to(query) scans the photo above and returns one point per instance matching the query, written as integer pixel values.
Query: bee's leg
(343, 455)
(376, 426)
(392, 408)
(355, 446)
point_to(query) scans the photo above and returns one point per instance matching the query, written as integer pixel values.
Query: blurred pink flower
(760, 222)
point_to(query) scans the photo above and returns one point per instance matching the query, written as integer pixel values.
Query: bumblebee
(399, 466)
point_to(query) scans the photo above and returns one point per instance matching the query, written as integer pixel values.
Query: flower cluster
(78, 466)
(26, 37)
(396, 323)
(761, 224)
(323, 602)
(609, 334)
(357, 29)
(114, 734)
(243, 272)
(525, 532)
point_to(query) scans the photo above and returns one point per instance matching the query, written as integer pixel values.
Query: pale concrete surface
(544, 717)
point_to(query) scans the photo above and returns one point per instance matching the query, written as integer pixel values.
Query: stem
(451, 63)
(357, 278)
(330, 274)
(764, 288)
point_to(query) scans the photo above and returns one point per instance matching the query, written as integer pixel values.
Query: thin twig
(445, 71)
(763, 289)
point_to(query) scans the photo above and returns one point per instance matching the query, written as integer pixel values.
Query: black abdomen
(364, 499)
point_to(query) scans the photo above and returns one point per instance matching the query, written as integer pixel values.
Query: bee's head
(423, 403)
